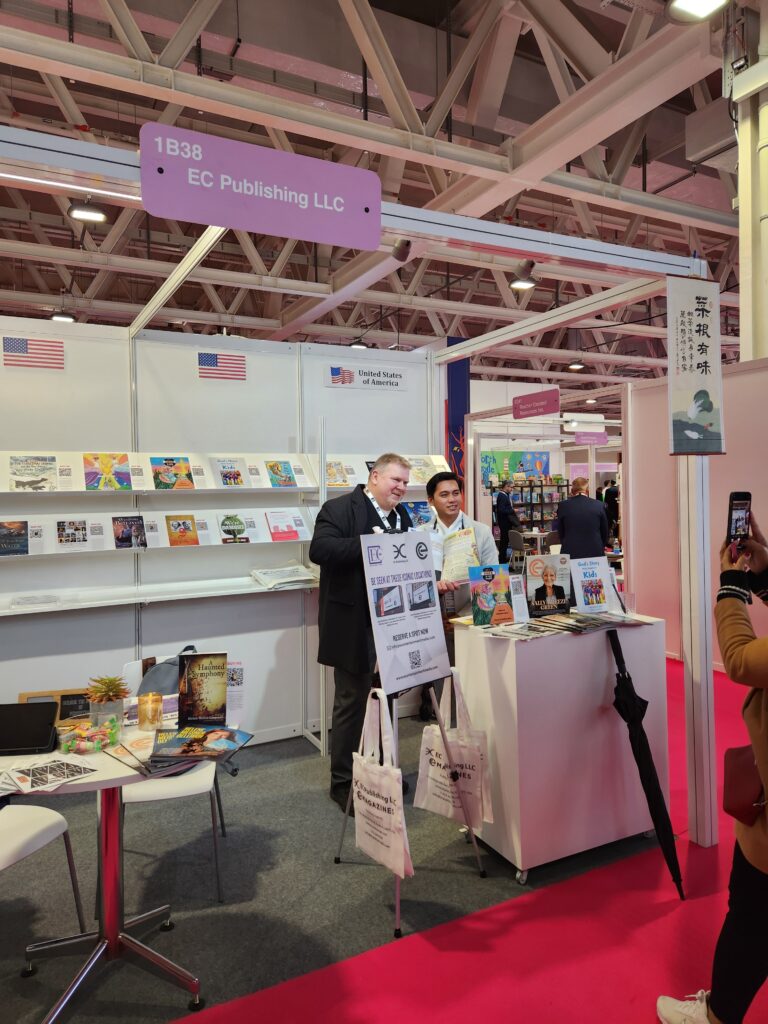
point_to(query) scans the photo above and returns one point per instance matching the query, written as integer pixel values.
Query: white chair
(25, 829)
(198, 780)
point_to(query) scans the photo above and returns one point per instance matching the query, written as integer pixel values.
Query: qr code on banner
(415, 658)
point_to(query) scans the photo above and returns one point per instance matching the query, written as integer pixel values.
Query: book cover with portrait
(182, 531)
(548, 583)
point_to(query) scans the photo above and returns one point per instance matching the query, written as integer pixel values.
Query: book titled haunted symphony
(202, 689)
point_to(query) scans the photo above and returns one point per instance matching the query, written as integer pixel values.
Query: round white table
(113, 940)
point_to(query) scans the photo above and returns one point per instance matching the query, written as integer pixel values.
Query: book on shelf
(32, 473)
(14, 537)
(202, 689)
(182, 531)
(286, 524)
(280, 473)
(107, 471)
(284, 576)
(198, 743)
(231, 472)
(171, 473)
(129, 532)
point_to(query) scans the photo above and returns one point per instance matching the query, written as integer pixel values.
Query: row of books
(135, 532)
(33, 472)
(173, 751)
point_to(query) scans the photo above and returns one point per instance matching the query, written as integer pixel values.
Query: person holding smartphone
(740, 965)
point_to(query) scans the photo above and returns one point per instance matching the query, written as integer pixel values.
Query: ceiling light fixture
(401, 250)
(591, 401)
(575, 365)
(87, 211)
(687, 11)
(523, 280)
(70, 187)
(62, 317)
(359, 344)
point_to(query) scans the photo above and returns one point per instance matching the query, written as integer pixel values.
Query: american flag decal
(220, 366)
(33, 353)
(341, 376)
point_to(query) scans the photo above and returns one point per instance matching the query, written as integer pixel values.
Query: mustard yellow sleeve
(744, 655)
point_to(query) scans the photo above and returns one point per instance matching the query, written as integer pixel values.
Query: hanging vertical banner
(457, 409)
(405, 613)
(694, 380)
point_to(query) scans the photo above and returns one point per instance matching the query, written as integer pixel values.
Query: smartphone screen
(738, 516)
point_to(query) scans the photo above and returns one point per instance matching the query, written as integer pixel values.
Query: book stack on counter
(174, 751)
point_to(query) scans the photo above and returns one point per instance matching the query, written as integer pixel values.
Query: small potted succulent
(106, 695)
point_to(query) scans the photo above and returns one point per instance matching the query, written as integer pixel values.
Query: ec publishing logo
(422, 550)
(374, 554)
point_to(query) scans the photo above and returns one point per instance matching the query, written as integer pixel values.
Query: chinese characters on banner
(695, 379)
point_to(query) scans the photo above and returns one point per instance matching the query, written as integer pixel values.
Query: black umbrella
(632, 709)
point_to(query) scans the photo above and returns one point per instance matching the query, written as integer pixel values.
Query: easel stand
(454, 777)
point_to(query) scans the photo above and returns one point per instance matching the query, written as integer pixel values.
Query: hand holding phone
(739, 513)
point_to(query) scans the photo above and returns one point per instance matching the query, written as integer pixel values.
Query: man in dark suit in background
(344, 621)
(506, 517)
(581, 523)
(611, 499)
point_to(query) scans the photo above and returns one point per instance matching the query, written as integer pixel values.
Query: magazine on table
(459, 553)
(198, 742)
(491, 600)
(548, 583)
(135, 750)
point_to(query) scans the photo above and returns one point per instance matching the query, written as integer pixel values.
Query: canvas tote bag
(469, 751)
(378, 792)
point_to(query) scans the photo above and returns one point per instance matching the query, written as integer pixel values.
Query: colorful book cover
(171, 473)
(419, 511)
(335, 475)
(232, 529)
(182, 531)
(194, 742)
(129, 532)
(71, 531)
(14, 537)
(231, 472)
(593, 585)
(107, 471)
(286, 524)
(280, 474)
(548, 583)
(491, 600)
(32, 473)
(202, 689)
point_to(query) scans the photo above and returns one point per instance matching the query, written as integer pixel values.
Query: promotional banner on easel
(694, 378)
(405, 613)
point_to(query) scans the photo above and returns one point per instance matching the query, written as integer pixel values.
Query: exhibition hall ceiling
(586, 102)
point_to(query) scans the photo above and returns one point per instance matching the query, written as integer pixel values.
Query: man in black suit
(506, 517)
(582, 523)
(346, 637)
(611, 499)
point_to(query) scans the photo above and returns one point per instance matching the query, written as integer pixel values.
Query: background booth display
(151, 399)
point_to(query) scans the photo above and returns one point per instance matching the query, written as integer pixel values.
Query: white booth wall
(88, 407)
(650, 487)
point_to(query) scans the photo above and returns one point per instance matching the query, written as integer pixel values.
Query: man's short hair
(387, 459)
(579, 484)
(440, 478)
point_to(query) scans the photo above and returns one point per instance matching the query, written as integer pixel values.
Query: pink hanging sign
(190, 176)
(587, 437)
(537, 403)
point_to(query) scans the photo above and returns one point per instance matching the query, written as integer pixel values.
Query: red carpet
(597, 948)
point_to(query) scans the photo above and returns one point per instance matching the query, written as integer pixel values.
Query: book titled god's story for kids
(491, 599)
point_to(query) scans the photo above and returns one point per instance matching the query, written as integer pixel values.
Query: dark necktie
(392, 519)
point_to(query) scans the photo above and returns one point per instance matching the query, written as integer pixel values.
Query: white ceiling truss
(558, 123)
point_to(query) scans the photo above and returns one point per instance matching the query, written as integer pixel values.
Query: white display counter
(563, 778)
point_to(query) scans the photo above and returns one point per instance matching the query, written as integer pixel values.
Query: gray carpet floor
(288, 908)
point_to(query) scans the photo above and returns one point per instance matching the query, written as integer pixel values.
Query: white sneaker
(691, 1010)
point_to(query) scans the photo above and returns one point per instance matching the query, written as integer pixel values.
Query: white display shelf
(85, 534)
(144, 594)
(344, 472)
(64, 472)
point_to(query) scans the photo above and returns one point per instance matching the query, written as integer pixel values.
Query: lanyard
(460, 526)
(382, 514)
